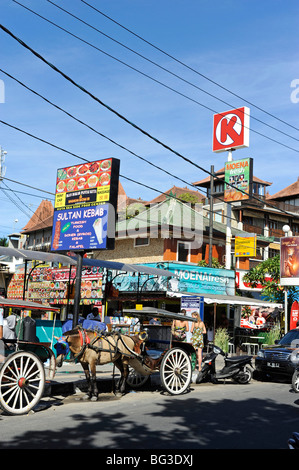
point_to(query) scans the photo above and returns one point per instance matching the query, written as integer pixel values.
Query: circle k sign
(231, 129)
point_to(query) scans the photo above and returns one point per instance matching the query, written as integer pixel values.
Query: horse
(92, 348)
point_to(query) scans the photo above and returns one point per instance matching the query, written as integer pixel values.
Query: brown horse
(92, 348)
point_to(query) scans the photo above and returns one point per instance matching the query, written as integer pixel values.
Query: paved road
(231, 416)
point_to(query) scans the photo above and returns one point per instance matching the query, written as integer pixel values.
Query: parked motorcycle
(238, 368)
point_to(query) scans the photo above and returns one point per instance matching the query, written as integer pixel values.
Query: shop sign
(238, 180)
(192, 304)
(245, 246)
(51, 285)
(85, 206)
(91, 285)
(289, 261)
(188, 278)
(231, 129)
(243, 285)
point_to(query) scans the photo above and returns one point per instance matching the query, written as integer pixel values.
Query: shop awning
(26, 305)
(68, 260)
(37, 255)
(152, 312)
(227, 299)
(133, 268)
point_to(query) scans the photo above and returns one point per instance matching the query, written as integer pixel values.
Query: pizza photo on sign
(231, 129)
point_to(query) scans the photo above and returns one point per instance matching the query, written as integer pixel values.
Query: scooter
(235, 367)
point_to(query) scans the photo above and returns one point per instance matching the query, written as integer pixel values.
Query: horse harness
(86, 342)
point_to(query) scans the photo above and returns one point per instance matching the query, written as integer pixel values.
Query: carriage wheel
(136, 380)
(22, 382)
(176, 371)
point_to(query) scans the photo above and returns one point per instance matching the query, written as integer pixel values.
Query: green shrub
(222, 339)
(271, 336)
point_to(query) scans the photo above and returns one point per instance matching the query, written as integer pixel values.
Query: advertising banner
(238, 180)
(231, 129)
(258, 317)
(289, 261)
(245, 246)
(191, 304)
(294, 317)
(85, 206)
(193, 279)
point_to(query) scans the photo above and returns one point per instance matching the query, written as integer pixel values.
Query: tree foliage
(267, 274)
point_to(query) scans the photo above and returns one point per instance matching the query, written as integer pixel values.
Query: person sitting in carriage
(94, 315)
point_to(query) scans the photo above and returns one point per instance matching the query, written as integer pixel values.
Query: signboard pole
(77, 289)
(285, 310)
(211, 217)
(228, 226)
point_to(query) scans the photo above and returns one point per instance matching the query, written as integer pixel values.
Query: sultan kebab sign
(231, 129)
(85, 206)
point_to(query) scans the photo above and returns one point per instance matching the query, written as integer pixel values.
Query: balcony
(253, 229)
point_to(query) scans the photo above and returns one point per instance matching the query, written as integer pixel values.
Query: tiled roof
(41, 219)
(177, 192)
(220, 173)
(290, 191)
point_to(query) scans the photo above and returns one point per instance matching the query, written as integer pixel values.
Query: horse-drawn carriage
(174, 360)
(22, 372)
(137, 356)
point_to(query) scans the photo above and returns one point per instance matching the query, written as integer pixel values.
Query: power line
(135, 126)
(109, 139)
(94, 130)
(151, 78)
(102, 135)
(188, 67)
(27, 185)
(153, 63)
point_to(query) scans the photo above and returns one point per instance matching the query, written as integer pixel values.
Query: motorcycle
(238, 368)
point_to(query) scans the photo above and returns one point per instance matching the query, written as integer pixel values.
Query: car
(280, 359)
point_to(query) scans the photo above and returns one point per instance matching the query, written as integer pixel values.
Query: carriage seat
(154, 353)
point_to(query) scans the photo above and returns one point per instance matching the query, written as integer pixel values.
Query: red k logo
(231, 130)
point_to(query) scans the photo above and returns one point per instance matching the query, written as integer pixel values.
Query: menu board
(85, 206)
(51, 285)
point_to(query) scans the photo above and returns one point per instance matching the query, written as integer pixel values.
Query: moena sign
(231, 129)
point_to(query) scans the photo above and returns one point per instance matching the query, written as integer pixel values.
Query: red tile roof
(41, 219)
(288, 192)
(220, 173)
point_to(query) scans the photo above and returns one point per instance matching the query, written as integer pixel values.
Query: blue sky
(248, 47)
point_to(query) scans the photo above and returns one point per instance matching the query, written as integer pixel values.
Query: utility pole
(211, 217)
(2, 167)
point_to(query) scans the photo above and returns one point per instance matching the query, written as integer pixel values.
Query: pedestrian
(198, 329)
(180, 328)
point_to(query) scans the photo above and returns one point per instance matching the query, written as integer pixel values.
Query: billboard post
(289, 266)
(85, 212)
